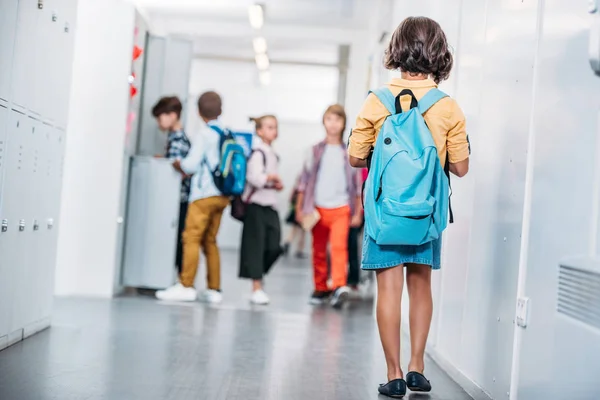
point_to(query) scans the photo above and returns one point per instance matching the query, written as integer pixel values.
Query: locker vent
(579, 295)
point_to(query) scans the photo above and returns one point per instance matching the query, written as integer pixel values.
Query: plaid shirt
(178, 147)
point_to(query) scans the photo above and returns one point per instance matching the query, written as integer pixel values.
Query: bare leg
(301, 240)
(390, 283)
(418, 282)
(256, 285)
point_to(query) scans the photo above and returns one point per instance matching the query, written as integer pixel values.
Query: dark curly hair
(419, 46)
(166, 105)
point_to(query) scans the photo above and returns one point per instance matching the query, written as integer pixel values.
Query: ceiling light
(265, 78)
(262, 61)
(260, 45)
(256, 15)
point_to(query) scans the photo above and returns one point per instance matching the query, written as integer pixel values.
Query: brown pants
(201, 229)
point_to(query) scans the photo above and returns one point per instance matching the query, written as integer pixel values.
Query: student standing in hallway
(168, 113)
(419, 49)
(329, 186)
(205, 210)
(261, 236)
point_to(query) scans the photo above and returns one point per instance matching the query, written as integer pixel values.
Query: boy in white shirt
(205, 209)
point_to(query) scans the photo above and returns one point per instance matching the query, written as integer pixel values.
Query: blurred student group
(217, 172)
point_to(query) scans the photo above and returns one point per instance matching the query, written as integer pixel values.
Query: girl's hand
(278, 186)
(299, 217)
(356, 221)
(274, 179)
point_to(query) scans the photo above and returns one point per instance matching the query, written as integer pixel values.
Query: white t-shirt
(332, 187)
(203, 156)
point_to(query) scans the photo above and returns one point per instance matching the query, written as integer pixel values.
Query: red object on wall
(132, 91)
(137, 52)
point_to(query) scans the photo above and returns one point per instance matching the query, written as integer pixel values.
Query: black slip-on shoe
(395, 389)
(417, 382)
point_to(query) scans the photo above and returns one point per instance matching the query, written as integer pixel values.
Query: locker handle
(4, 225)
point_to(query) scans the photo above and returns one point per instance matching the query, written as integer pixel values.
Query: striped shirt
(178, 147)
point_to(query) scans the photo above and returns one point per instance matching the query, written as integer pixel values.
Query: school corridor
(157, 157)
(135, 348)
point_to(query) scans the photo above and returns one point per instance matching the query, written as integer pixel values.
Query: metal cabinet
(5, 303)
(8, 25)
(152, 221)
(36, 45)
(24, 61)
(12, 211)
(167, 70)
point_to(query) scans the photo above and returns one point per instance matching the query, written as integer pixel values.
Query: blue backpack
(230, 175)
(407, 190)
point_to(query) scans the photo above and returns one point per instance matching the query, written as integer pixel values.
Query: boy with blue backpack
(218, 166)
(411, 136)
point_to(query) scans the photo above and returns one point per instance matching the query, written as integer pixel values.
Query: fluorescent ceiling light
(256, 15)
(260, 45)
(262, 61)
(265, 78)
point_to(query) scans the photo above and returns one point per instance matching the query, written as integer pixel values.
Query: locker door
(52, 189)
(64, 56)
(45, 58)
(8, 25)
(5, 303)
(25, 296)
(12, 211)
(34, 209)
(24, 54)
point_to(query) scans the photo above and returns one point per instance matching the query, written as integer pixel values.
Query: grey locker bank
(36, 46)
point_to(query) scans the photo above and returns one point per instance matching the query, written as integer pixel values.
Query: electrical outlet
(522, 312)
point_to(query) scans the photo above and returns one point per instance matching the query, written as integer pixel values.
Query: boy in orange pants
(329, 186)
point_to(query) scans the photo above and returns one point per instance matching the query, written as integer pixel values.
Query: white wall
(522, 78)
(94, 149)
(298, 96)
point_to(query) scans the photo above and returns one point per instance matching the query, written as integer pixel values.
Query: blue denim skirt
(375, 256)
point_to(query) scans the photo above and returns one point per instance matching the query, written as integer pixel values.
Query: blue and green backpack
(230, 175)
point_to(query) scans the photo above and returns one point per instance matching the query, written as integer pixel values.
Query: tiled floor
(135, 348)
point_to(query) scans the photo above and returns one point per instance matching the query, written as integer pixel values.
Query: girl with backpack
(411, 136)
(261, 235)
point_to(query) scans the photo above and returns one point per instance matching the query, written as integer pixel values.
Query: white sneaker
(339, 297)
(177, 292)
(259, 297)
(211, 296)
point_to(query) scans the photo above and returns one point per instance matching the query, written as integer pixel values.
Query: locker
(5, 303)
(8, 26)
(35, 210)
(151, 231)
(63, 55)
(45, 58)
(52, 189)
(24, 62)
(25, 268)
(12, 212)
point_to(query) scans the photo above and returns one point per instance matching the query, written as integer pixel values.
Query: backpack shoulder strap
(264, 156)
(430, 98)
(216, 129)
(387, 98)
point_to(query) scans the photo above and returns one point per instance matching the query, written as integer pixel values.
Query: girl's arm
(457, 142)
(357, 162)
(364, 133)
